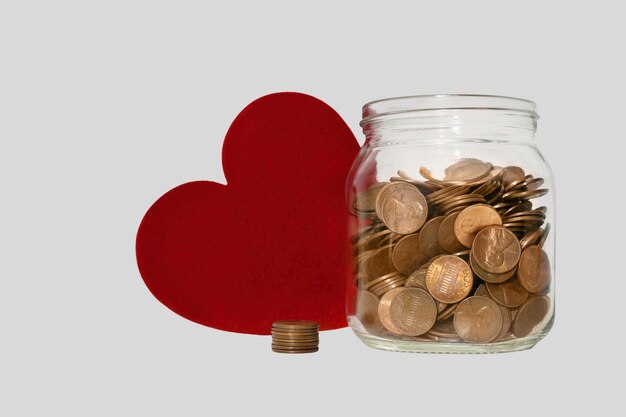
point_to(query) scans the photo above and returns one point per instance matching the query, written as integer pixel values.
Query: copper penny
(402, 207)
(380, 263)
(506, 322)
(429, 237)
(366, 200)
(478, 320)
(519, 184)
(413, 311)
(510, 294)
(534, 183)
(538, 220)
(446, 237)
(383, 310)
(463, 253)
(488, 276)
(494, 174)
(295, 344)
(449, 279)
(472, 220)
(387, 285)
(310, 338)
(515, 208)
(300, 325)
(295, 335)
(465, 170)
(417, 279)
(524, 195)
(530, 238)
(295, 347)
(512, 174)
(390, 239)
(438, 196)
(448, 312)
(371, 241)
(367, 312)
(390, 280)
(481, 291)
(407, 254)
(529, 315)
(487, 188)
(493, 198)
(281, 350)
(458, 206)
(534, 270)
(531, 213)
(443, 329)
(496, 250)
(544, 235)
(379, 280)
(502, 207)
(461, 199)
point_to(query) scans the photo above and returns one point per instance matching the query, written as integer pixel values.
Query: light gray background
(104, 106)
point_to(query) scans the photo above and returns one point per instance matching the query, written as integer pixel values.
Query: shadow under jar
(451, 218)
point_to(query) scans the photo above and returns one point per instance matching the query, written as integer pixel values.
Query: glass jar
(451, 219)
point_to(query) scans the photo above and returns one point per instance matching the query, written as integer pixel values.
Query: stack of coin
(457, 259)
(295, 336)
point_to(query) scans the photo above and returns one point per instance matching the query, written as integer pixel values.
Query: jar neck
(446, 118)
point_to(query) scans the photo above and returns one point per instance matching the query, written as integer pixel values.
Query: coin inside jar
(530, 315)
(444, 329)
(418, 278)
(402, 207)
(509, 294)
(478, 320)
(465, 170)
(506, 322)
(496, 250)
(413, 311)
(367, 312)
(384, 310)
(534, 270)
(366, 201)
(449, 279)
(488, 276)
(380, 263)
(429, 237)
(407, 254)
(446, 237)
(472, 220)
(512, 174)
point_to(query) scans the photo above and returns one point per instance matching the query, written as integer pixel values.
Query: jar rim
(383, 108)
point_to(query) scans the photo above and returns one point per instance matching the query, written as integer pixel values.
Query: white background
(104, 106)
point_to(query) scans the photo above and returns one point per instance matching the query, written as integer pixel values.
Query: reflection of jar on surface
(452, 224)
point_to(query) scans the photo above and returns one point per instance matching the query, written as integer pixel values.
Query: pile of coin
(453, 260)
(295, 336)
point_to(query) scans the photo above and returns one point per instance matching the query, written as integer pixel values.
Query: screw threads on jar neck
(450, 118)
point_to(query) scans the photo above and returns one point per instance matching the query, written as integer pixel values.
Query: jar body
(452, 225)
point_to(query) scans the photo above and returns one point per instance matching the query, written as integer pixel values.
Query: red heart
(270, 245)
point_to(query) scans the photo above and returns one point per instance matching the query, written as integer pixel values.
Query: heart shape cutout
(271, 244)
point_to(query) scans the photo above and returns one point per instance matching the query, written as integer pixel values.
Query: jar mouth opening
(402, 106)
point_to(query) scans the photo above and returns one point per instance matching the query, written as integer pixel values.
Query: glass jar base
(413, 346)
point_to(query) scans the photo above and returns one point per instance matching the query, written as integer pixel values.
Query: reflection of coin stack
(295, 336)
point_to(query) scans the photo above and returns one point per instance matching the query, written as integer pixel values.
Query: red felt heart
(270, 245)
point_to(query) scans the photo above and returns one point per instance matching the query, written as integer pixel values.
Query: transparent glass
(451, 216)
